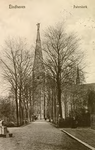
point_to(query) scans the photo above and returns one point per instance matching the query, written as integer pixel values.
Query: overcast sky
(22, 23)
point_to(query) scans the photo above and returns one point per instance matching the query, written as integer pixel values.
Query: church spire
(38, 78)
(38, 58)
(38, 32)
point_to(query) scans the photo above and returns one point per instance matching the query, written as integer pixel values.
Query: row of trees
(61, 56)
(62, 59)
(17, 69)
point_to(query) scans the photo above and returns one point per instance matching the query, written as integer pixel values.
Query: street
(39, 135)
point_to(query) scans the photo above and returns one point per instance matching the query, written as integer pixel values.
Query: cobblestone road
(39, 135)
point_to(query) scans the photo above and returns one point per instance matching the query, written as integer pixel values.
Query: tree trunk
(44, 106)
(30, 112)
(59, 100)
(20, 107)
(59, 96)
(59, 92)
(52, 104)
(17, 113)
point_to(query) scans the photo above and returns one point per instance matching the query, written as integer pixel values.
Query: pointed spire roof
(38, 32)
(38, 40)
(38, 58)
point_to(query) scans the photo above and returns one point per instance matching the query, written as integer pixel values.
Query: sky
(22, 23)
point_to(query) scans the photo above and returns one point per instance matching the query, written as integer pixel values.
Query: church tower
(38, 78)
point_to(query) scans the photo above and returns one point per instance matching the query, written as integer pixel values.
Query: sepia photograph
(47, 75)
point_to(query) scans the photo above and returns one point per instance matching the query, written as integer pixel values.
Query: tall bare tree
(61, 56)
(17, 70)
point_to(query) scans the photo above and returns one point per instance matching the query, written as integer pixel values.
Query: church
(78, 102)
(38, 79)
(80, 97)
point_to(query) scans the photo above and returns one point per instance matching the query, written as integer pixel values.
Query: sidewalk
(86, 135)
